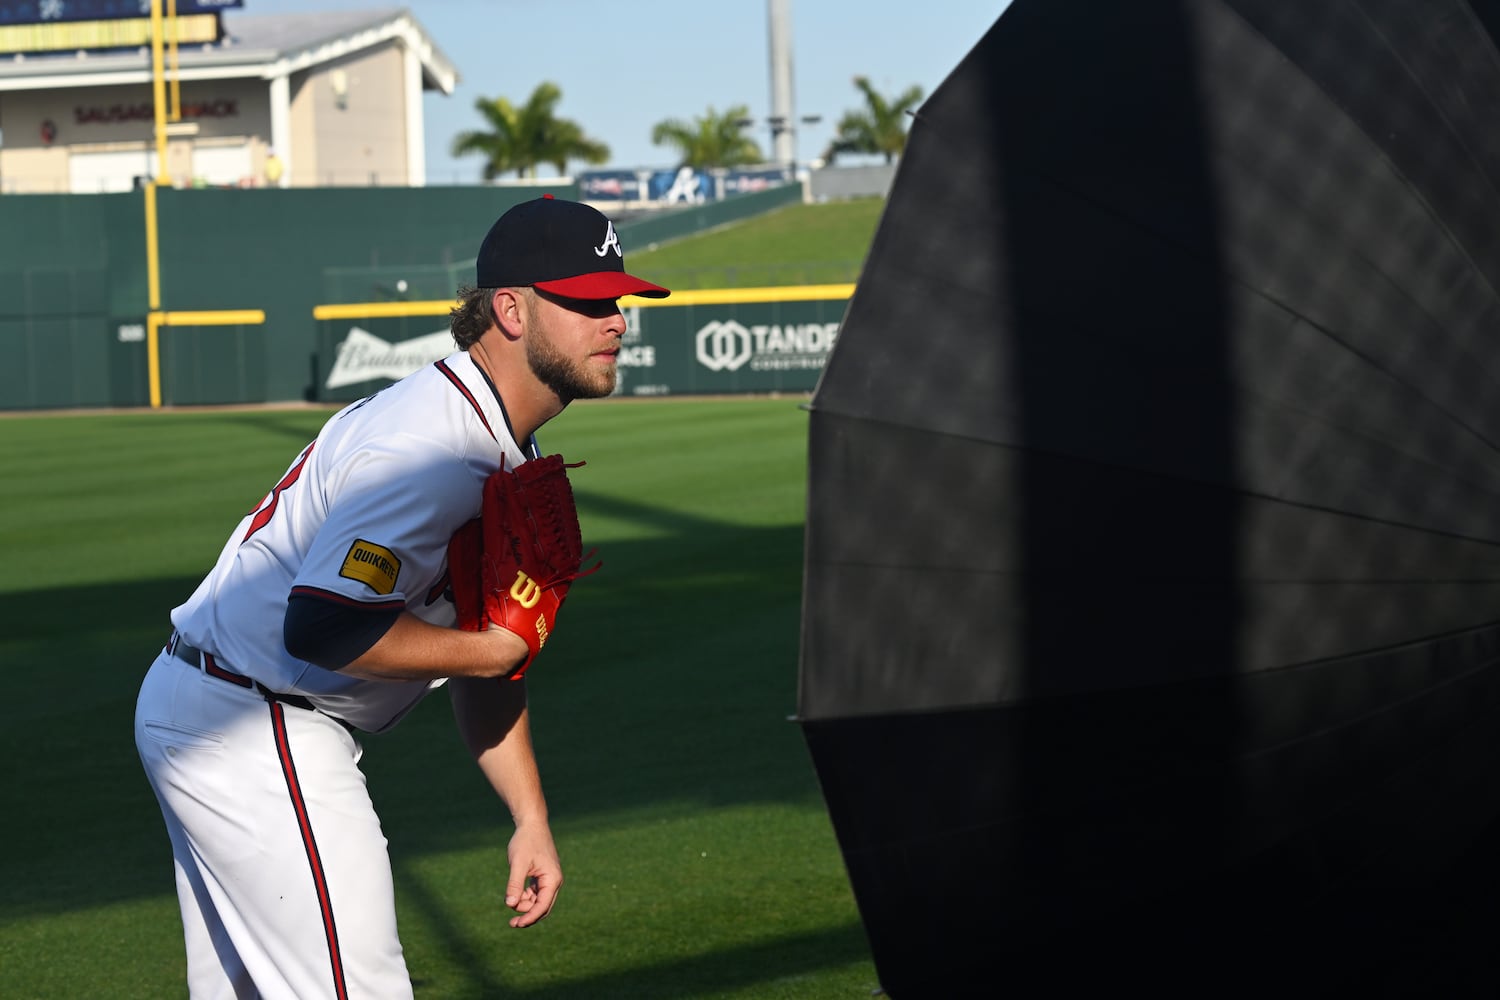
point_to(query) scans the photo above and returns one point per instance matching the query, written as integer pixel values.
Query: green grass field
(699, 856)
(797, 245)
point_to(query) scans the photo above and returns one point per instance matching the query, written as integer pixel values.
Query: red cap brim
(602, 285)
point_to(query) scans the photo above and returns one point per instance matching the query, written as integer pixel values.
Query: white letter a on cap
(610, 240)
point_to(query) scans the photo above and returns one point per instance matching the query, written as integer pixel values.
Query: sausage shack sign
(145, 111)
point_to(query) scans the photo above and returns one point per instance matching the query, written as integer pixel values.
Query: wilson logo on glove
(512, 566)
(525, 590)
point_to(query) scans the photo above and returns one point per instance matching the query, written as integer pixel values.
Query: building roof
(263, 46)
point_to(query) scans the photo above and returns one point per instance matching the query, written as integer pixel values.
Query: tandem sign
(729, 346)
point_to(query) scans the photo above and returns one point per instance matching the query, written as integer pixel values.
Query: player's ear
(509, 305)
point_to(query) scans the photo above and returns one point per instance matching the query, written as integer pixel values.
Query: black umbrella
(1153, 539)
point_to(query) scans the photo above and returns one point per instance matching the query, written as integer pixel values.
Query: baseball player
(331, 613)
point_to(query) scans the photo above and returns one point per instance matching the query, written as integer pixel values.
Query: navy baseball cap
(563, 247)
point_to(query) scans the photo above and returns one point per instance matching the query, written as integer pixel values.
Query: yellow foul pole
(153, 252)
(153, 356)
(153, 263)
(156, 317)
(153, 294)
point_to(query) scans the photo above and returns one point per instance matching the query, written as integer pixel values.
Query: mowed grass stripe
(132, 496)
(721, 460)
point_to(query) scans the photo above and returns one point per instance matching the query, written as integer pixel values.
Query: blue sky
(624, 65)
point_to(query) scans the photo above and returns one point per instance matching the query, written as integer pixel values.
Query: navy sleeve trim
(332, 634)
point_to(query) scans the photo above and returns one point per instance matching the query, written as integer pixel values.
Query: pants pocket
(173, 735)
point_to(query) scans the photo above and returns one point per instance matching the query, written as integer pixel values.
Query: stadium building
(316, 99)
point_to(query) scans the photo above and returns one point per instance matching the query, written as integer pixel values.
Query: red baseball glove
(512, 566)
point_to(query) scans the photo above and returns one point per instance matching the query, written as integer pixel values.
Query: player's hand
(535, 874)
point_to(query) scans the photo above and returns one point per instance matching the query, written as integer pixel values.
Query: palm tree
(711, 141)
(520, 138)
(880, 129)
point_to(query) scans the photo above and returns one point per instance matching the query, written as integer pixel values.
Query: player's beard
(569, 378)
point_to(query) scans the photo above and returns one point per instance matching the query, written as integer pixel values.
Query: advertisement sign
(116, 33)
(667, 350)
(683, 186)
(686, 186)
(677, 186)
(50, 11)
(727, 349)
(746, 181)
(354, 362)
(608, 185)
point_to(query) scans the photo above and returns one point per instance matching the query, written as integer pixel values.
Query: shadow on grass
(669, 681)
(723, 969)
(784, 958)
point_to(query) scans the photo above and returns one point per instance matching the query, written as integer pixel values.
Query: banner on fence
(696, 348)
(677, 186)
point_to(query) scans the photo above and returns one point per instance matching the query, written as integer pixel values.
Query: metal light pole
(783, 132)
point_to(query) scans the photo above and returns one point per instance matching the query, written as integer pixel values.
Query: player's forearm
(495, 724)
(413, 649)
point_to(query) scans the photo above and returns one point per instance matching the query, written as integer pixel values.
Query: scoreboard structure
(39, 26)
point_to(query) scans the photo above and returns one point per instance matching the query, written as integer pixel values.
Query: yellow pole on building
(158, 93)
(174, 112)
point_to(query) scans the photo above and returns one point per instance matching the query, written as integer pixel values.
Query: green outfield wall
(74, 285)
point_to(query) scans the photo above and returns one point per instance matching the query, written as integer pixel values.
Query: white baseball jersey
(362, 517)
(283, 875)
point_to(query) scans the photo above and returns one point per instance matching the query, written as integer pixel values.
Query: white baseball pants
(282, 870)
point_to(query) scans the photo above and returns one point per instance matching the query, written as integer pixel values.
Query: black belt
(205, 661)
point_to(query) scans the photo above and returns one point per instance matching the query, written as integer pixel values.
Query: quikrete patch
(371, 564)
